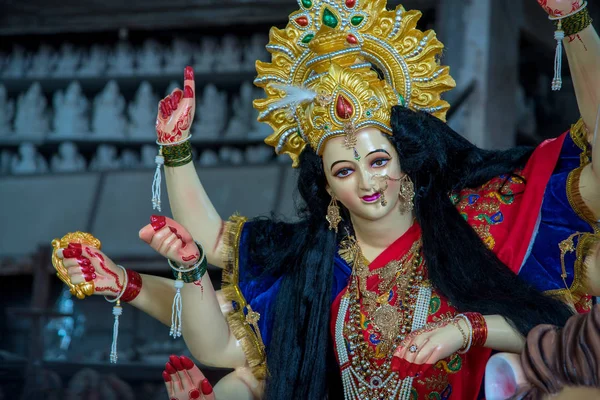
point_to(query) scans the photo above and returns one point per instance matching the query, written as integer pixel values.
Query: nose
(364, 182)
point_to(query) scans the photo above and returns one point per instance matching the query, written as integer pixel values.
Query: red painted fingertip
(188, 92)
(166, 376)
(186, 362)
(174, 360)
(206, 387)
(170, 369)
(188, 73)
(158, 222)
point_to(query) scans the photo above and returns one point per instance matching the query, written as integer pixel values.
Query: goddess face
(357, 176)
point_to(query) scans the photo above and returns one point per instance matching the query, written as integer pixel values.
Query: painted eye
(380, 162)
(344, 172)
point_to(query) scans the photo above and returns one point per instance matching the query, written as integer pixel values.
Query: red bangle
(480, 330)
(134, 286)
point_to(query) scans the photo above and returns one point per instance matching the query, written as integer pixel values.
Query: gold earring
(333, 214)
(407, 194)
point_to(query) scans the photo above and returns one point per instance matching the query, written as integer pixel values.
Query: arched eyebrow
(379, 150)
(337, 162)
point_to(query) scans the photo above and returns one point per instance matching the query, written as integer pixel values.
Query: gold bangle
(462, 332)
(177, 155)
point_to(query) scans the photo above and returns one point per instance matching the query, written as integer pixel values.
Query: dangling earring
(407, 194)
(333, 214)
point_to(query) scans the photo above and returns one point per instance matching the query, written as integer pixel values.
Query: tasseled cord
(160, 161)
(175, 331)
(117, 311)
(559, 35)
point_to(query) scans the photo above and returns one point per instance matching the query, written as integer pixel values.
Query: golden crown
(323, 78)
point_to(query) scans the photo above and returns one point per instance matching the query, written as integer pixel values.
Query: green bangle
(193, 273)
(177, 155)
(575, 23)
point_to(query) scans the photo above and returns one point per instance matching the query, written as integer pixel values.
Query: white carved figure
(142, 112)
(150, 58)
(229, 56)
(255, 50)
(94, 63)
(108, 120)
(68, 61)
(129, 159)
(121, 60)
(206, 56)
(208, 158)
(31, 120)
(172, 86)
(148, 156)
(28, 161)
(71, 112)
(243, 113)
(211, 112)
(67, 159)
(258, 154)
(5, 162)
(7, 110)
(178, 56)
(43, 62)
(105, 159)
(230, 155)
(17, 63)
(258, 130)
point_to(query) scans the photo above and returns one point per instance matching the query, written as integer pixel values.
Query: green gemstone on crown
(356, 20)
(308, 38)
(329, 19)
(402, 100)
(307, 3)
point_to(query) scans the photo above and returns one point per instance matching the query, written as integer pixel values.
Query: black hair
(439, 161)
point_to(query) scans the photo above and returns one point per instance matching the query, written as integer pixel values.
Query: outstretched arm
(189, 202)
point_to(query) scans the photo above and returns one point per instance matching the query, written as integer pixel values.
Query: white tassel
(159, 160)
(117, 311)
(559, 35)
(175, 331)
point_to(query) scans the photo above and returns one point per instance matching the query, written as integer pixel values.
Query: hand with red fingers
(171, 240)
(423, 348)
(85, 264)
(185, 381)
(557, 8)
(176, 111)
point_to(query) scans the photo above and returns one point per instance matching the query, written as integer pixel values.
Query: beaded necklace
(385, 319)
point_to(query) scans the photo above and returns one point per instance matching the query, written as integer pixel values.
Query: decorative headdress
(340, 65)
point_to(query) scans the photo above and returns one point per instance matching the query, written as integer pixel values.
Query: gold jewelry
(177, 155)
(407, 194)
(83, 289)
(333, 214)
(320, 77)
(462, 332)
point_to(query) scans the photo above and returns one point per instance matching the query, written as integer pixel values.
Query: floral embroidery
(480, 207)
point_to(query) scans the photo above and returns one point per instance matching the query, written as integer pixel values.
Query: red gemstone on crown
(302, 21)
(343, 107)
(352, 39)
(350, 3)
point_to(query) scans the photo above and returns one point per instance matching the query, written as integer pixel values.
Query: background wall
(500, 52)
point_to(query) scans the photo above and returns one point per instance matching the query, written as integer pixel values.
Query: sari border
(242, 327)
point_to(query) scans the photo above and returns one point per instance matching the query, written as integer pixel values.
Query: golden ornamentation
(83, 289)
(407, 195)
(333, 214)
(580, 134)
(244, 327)
(327, 33)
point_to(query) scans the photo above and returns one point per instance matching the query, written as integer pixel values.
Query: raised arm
(189, 202)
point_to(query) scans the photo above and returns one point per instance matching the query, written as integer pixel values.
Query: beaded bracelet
(466, 348)
(462, 332)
